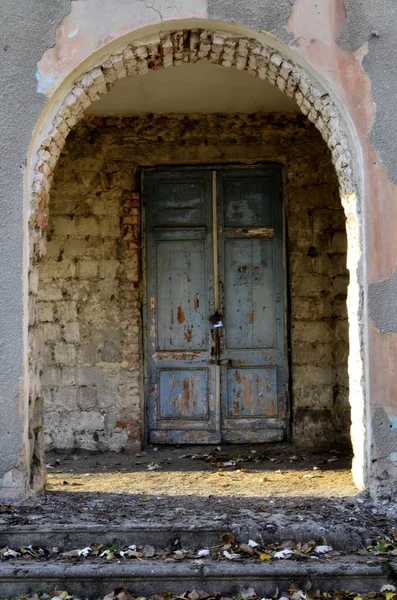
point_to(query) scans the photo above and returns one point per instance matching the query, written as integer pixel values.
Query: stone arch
(230, 51)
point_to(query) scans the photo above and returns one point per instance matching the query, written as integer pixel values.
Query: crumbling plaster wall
(92, 373)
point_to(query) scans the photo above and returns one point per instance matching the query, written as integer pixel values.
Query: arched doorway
(228, 51)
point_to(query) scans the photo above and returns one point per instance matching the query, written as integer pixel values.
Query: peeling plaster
(93, 23)
(382, 297)
(393, 421)
(384, 437)
(374, 23)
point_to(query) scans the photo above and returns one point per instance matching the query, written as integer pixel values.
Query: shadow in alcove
(250, 471)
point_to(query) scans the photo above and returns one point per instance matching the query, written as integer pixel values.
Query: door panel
(183, 394)
(181, 285)
(182, 400)
(249, 293)
(253, 398)
(205, 384)
(251, 392)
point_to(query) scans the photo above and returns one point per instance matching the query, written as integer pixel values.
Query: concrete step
(95, 578)
(190, 535)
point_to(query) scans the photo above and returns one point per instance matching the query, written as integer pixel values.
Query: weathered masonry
(79, 269)
(285, 245)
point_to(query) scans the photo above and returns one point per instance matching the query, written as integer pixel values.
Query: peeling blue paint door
(182, 400)
(250, 248)
(214, 245)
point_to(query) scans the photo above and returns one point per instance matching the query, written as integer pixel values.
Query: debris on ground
(388, 592)
(229, 548)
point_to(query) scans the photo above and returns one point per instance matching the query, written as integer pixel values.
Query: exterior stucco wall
(27, 29)
(350, 45)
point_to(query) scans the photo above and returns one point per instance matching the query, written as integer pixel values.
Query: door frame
(280, 167)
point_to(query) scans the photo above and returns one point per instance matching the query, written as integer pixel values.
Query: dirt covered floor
(247, 471)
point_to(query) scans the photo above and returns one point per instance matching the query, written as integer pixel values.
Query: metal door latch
(216, 320)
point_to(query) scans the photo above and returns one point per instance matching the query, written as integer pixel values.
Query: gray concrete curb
(96, 578)
(70, 536)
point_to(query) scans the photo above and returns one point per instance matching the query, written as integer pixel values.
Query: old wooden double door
(215, 334)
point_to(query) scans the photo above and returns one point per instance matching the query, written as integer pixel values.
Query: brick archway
(174, 49)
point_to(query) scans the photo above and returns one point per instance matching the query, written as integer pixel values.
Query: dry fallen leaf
(246, 548)
(228, 538)
(148, 551)
(230, 555)
(264, 556)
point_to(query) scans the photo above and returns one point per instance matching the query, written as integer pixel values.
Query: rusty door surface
(215, 340)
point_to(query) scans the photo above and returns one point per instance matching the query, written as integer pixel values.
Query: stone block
(339, 285)
(66, 311)
(339, 307)
(90, 375)
(314, 376)
(64, 226)
(49, 291)
(76, 248)
(300, 263)
(315, 353)
(51, 376)
(110, 352)
(87, 269)
(64, 437)
(110, 227)
(339, 266)
(312, 285)
(88, 440)
(107, 397)
(341, 330)
(311, 308)
(56, 269)
(51, 332)
(48, 354)
(119, 439)
(88, 353)
(339, 242)
(323, 264)
(46, 394)
(87, 226)
(309, 395)
(45, 312)
(54, 250)
(71, 332)
(108, 269)
(65, 398)
(64, 354)
(87, 398)
(312, 331)
(86, 421)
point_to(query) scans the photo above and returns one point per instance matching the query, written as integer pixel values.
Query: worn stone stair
(94, 578)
